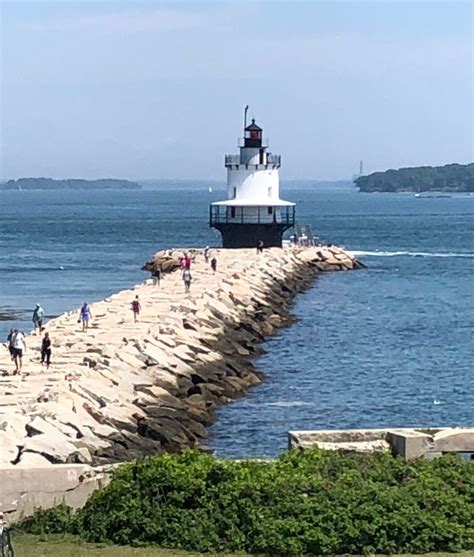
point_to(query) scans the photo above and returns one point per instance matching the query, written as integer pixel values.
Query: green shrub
(311, 502)
(57, 520)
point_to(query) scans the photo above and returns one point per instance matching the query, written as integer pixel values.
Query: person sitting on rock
(260, 246)
(136, 307)
(214, 264)
(187, 279)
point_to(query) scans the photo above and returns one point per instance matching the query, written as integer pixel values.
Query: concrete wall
(22, 490)
(406, 442)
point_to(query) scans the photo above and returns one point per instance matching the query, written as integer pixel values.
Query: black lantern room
(253, 135)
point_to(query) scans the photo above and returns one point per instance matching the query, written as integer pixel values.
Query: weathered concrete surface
(24, 490)
(125, 389)
(360, 440)
(408, 443)
(458, 440)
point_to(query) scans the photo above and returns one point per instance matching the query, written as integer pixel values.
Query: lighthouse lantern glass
(253, 134)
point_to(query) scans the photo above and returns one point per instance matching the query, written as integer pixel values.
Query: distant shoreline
(69, 184)
(448, 179)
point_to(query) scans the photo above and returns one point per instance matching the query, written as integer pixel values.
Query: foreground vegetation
(311, 502)
(28, 545)
(454, 178)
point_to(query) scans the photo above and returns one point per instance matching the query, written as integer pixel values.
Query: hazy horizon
(136, 90)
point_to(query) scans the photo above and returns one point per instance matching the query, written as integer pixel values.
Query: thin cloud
(157, 20)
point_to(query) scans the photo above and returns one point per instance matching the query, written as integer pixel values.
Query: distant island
(453, 178)
(70, 184)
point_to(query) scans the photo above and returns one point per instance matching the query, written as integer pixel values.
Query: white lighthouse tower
(253, 211)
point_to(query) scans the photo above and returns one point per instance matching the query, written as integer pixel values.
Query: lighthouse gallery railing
(222, 214)
(270, 160)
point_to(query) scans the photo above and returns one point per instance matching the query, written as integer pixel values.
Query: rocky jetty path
(125, 389)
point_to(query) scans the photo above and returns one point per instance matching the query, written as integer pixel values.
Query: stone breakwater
(123, 389)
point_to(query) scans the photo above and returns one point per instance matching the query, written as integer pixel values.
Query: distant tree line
(454, 178)
(70, 184)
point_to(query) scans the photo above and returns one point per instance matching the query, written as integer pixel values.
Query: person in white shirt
(187, 279)
(18, 346)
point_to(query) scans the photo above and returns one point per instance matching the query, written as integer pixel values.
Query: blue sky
(156, 89)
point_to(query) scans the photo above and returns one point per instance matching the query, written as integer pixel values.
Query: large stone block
(24, 489)
(409, 443)
(333, 438)
(454, 440)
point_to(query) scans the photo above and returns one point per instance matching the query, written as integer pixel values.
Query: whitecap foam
(410, 254)
(288, 403)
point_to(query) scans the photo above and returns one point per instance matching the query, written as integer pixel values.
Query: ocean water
(388, 345)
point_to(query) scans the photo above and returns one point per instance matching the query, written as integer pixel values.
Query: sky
(151, 89)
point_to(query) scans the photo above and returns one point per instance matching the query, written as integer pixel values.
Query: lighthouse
(253, 211)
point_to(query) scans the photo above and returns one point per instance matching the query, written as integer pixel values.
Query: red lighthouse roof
(253, 127)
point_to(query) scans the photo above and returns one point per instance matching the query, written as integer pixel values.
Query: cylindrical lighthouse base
(235, 235)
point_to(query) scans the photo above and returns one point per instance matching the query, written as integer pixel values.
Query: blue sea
(390, 345)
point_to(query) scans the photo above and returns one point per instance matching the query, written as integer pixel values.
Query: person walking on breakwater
(38, 316)
(6, 548)
(187, 262)
(260, 246)
(156, 276)
(19, 347)
(10, 343)
(214, 264)
(46, 350)
(187, 278)
(85, 315)
(207, 254)
(136, 307)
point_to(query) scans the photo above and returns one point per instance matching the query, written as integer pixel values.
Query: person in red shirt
(136, 307)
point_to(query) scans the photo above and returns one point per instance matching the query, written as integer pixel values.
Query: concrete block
(22, 490)
(455, 440)
(409, 443)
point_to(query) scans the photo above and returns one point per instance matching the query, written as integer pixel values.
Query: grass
(26, 545)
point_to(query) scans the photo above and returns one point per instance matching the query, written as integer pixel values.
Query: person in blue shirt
(85, 315)
(38, 316)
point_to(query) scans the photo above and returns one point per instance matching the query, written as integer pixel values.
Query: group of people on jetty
(16, 342)
(16, 339)
(185, 265)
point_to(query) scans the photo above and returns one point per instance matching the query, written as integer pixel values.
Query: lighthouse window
(270, 191)
(270, 210)
(235, 192)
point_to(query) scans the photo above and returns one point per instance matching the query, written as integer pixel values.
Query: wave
(35, 269)
(288, 403)
(410, 254)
